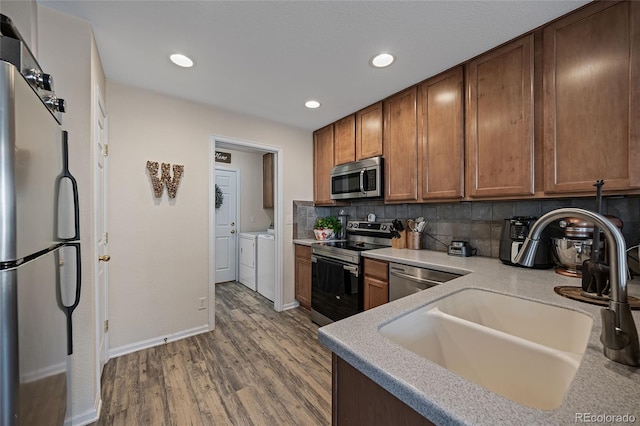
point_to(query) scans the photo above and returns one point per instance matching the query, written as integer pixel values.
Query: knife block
(401, 242)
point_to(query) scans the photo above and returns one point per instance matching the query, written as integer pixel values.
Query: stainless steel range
(337, 271)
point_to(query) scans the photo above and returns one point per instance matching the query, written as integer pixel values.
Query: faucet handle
(612, 337)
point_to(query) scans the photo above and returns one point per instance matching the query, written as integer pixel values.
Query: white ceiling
(265, 58)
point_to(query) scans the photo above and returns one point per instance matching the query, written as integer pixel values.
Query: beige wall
(249, 164)
(159, 248)
(67, 51)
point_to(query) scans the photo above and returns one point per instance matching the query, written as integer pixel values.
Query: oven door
(327, 306)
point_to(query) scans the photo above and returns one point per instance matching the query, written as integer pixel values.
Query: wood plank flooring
(258, 367)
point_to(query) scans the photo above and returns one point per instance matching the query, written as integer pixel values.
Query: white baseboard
(90, 416)
(51, 370)
(157, 341)
(291, 305)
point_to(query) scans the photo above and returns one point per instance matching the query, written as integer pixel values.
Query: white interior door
(226, 229)
(101, 229)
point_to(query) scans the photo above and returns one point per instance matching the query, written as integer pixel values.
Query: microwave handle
(362, 172)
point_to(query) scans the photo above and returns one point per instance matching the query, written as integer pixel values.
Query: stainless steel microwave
(360, 179)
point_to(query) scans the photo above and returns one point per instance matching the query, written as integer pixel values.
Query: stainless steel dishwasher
(405, 280)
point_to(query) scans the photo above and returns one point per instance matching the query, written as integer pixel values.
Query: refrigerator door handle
(68, 309)
(62, 183)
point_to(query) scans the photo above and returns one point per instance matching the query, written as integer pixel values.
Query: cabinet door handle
(416, 279)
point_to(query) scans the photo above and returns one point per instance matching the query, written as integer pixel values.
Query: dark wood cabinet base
(358, 400)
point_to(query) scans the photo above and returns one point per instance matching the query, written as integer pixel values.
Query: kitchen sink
(523, 350)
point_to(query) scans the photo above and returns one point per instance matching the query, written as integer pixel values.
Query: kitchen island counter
(600, 388)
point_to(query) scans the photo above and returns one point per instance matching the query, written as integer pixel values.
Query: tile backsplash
(479, 222)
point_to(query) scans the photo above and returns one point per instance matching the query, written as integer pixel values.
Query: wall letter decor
(165, 178)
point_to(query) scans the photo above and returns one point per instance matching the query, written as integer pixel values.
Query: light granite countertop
(305, 241)
(600, 387)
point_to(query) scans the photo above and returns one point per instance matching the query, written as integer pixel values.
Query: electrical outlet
(252, 219)
(289, 219)
(202, 303)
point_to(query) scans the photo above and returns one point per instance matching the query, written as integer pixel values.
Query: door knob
(233, 231)
(104, 258)
(233, 224)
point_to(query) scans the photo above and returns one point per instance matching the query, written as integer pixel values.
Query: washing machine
(266, 278)
(248, 255)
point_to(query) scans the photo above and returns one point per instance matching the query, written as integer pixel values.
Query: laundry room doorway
(250, 160)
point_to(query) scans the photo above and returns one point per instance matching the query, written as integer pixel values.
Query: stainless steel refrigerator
(40, 264)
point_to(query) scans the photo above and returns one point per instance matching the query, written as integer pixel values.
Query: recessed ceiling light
(181, 60)
(382, 60)
(312, 104)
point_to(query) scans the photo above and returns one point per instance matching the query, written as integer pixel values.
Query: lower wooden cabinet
(376, 283)
(303, 275)
(358, 400)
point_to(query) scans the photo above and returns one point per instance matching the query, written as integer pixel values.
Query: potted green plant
(327, 228)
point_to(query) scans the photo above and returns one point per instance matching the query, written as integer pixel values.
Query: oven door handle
(362, 172)
(350, 268)
(412, 278)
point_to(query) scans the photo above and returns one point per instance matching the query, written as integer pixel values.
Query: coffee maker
(514, 233)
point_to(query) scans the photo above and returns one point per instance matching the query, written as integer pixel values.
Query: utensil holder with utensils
(414, 240)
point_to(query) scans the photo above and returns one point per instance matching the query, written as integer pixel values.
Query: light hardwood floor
(258, 367)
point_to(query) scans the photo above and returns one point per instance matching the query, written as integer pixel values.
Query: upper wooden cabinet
(591, 80)
(441, 136)
(359, 135)
(401, 147)
(322, 164)
(267, 181)
(369, 132)
(499, 121)
(345, 140)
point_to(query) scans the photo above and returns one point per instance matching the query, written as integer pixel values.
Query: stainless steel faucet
(619, 335)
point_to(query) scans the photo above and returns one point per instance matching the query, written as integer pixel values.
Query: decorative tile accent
(462, 211)
(528, 208)
(430, 211)
(480, 223)
(460, 231)
(502, 210)
(481, 211)
(390, 212)
(445, 211)
(414, 211)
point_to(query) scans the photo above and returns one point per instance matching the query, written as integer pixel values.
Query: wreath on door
(219, 197)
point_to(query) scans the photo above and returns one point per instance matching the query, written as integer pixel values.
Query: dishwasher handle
(413, 278)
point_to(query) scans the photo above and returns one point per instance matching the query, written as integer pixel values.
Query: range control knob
(55, 104)
(355, 225)
(350, 225)
(39, 79)
(384, 227)
(33, 76)
(47, 82)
